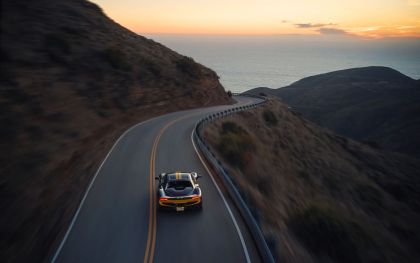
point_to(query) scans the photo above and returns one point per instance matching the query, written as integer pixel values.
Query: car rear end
(180, 203)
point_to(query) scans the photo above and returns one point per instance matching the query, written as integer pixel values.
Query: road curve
(117, 222)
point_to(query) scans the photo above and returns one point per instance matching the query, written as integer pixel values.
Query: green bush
(235, 144)
(327, 233)
(270, 118)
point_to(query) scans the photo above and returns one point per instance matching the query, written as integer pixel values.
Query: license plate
(180, 208)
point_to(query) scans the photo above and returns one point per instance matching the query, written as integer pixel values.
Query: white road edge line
(57, 253)
(63, 241)
(238, 230)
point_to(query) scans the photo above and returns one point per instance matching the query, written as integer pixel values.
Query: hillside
(320, 197)
(72, 81)
(377, 105)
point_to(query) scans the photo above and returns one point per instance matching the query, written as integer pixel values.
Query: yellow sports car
(179, 191)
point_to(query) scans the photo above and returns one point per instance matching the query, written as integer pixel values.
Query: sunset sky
(367, 18)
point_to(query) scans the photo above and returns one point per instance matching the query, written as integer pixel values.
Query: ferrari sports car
(179, 191)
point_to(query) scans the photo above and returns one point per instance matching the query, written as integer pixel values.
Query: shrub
(57, 47)
(231, 127)
(7, 75)
(326, 233)
(148, 68)
(74, 32)
(188, 66)
(115, 58)
(270, 118)
(372, 144)
(11, 122)
(92, 6)
(370, 195)
(57, 41)
(235, 144)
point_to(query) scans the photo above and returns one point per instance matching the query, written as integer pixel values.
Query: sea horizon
(244, 62)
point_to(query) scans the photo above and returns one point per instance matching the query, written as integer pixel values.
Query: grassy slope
(376, 104)
(319, 196)
(72, 81)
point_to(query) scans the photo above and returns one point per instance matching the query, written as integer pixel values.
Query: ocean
(246, 62)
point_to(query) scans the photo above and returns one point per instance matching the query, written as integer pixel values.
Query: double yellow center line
(151, 235)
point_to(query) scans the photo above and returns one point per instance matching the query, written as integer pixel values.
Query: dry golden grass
(322, 197)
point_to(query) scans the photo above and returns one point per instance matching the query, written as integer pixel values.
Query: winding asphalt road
(117, 219)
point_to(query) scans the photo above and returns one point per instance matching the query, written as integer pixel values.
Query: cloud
(332, 31)
(324, 28)
(310, 25)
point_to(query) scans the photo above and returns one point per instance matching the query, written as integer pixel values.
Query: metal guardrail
(243, 208)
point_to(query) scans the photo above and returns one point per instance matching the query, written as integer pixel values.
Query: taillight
(196, 197)
(163, 199)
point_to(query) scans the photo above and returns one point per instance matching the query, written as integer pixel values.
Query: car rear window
(179, 184)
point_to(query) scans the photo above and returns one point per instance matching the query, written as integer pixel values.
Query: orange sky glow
(365, 18)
